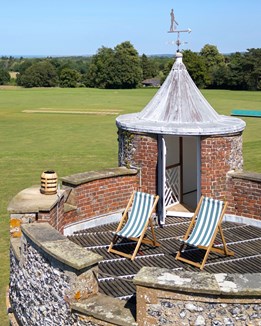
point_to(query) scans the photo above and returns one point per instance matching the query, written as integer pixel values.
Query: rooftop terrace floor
(116, 273)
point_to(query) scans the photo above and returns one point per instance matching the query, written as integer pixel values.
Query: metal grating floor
(116, 273)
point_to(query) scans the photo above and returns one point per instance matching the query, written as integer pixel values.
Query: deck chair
(203, 229)
(136, 223)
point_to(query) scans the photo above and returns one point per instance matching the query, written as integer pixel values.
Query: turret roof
(179, 108)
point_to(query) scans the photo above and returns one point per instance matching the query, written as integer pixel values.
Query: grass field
(83, 137)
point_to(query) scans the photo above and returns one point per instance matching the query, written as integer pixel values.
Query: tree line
(123, 67)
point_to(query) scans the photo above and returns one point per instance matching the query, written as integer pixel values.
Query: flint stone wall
(187, 298)
(47, 274)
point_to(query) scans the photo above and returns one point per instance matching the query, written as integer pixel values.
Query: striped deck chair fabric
(206, 223)
(203, 229)
(142, 204)
(136, 223)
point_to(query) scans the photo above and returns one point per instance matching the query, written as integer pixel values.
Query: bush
(41, 74)
(69, 78)
(4, 77)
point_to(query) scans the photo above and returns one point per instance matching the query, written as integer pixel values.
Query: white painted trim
(242, 220)
(198, 168)
(179, 214)
(161, 178)
(226, 218)
(116, 216)
(92, 222)
(164, 158)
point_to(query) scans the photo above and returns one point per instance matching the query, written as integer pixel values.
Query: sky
(81, 27)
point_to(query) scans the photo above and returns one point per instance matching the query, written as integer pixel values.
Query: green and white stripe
(206, 222)
(139, 215)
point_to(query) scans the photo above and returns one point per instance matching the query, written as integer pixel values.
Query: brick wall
(98, 193)
(222, 176)
(146, 157)
(219, 155)
(69, 217)
(140, 150)
(54, 216)
(100, 196)
(244, 189)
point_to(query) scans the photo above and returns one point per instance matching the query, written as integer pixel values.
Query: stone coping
(240, 285)
(31, 200)
(106, 308)
(85, 177)
(245, 175)
(15, 244)
(59, 247)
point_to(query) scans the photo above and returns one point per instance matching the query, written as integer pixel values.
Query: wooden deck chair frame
(139, 239)
(210, 247)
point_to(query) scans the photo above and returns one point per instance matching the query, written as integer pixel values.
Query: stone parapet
(197, 298)
(98, 193)
(85, 177)
(244, 193)
(54, 244)
(111, 311)
(246, 175)
(30, 205)
(32, 200)
(47, 274)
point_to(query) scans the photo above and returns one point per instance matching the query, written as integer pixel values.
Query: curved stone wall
(165, 297)
(47, 274)
(98, 193)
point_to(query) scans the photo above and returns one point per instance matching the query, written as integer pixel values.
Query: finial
(173, 29)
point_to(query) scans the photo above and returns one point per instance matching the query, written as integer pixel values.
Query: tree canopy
(115, 68)
(122, 67)
(4, 76)
(196, 67)
(69, 78)
(149, 67)
(40, 74)
(99, 74)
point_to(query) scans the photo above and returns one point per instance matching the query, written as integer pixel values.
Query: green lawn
(224, 102)
(72, 143)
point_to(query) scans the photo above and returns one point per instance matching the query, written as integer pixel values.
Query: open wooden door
(161, 179)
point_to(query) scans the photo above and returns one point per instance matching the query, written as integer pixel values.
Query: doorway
(178, 175)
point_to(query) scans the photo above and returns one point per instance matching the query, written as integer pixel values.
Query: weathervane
(173, 29)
